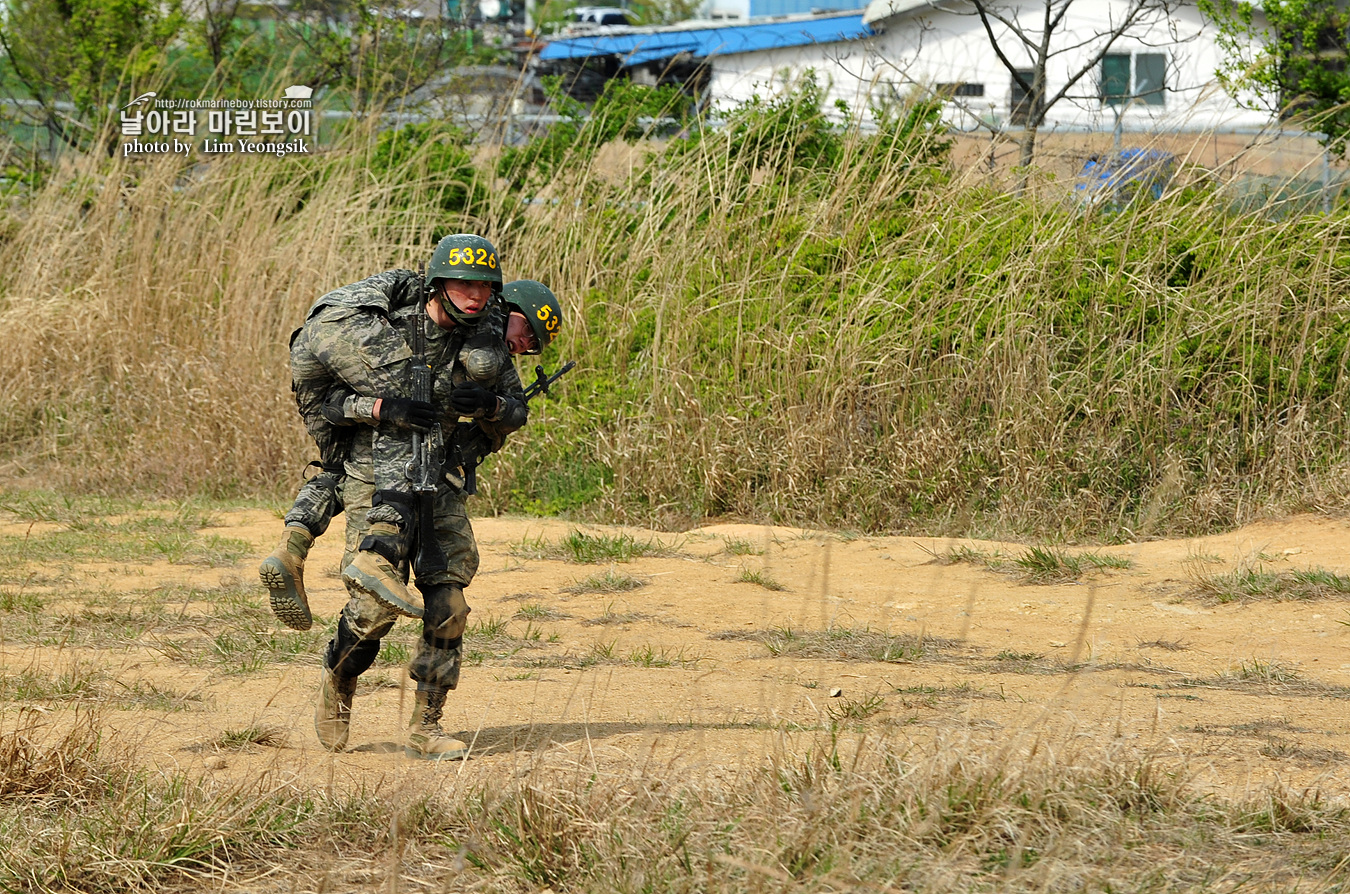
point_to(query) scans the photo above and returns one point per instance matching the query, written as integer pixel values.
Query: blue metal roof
(635, 48)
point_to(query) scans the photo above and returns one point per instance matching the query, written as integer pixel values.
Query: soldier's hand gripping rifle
(472, 444)
(424, 469)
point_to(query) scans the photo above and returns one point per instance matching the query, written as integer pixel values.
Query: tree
(72, 57)
(379, 54)
(1291, 58)
(1029, 49)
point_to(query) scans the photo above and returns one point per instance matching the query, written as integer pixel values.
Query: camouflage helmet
(539, 306)
(468, 257)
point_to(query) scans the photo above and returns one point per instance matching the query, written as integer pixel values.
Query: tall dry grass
(147, 308)
(848, 816)
(770, 324)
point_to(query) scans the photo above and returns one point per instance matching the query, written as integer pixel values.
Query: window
(1134, 77)
(961, 89)
(1020, 103)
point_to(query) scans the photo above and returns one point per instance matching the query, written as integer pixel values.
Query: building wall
(745, 9)
(928, 48)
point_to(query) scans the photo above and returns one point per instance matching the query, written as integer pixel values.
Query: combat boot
(373, 573)
(333, 711)
(283, 574)
(426, 740)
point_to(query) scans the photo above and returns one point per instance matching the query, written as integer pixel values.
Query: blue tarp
(649, 46)
(1122, 175)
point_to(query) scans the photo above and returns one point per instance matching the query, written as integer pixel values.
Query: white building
(1159, 76)
(741, 10)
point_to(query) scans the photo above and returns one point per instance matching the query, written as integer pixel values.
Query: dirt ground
(704, 666)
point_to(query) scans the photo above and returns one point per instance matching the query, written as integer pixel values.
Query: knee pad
(350, 654)
(445, 616)
(391, 546)
(401, 503)
(437, 666)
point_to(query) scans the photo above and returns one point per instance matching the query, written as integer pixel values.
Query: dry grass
(842, 644)
(1247, 584)
(846, 816)
(608, 581)
(871, 342)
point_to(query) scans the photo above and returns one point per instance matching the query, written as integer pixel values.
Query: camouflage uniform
(353, 349)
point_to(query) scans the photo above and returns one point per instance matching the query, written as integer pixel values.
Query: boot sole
(358, 580)
(287, 604)
(419, 755)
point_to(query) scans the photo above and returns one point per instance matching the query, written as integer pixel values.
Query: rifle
(472, 444)
(424, 468)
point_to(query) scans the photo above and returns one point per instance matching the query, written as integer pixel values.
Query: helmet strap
(460, 316)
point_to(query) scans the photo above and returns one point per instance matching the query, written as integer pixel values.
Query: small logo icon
(296, 91)
(144, 97)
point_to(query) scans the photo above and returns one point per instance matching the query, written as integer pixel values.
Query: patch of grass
(856, 709)
(1258, 675)
(582, 548)
(960, 554)
(246, 651)
(140, 538)
(610, 581)
(65, 508)
(841, 643)
(609, 618)
(1250, 729)
(245, 739)
(1011, 661)
(374, 681)
(1010, 655)
(603, 651)
(489, 628)
(534, 611)
(1047, 565)
(146, 696)
(759, 578)
(394, 654)
(932, 696)
(1106, 560)
(19, 601)
(1036, 565)
(738, 546)
(128, 619)
(1249, 584)
(651, 656)
(75, 683)
(1165, 645)
(1270, 672)
(490, 639)
(1283, 749)
(834, 811)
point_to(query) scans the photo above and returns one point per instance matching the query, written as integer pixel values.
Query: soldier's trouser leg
(377, 567)
(436, 663)
(352, 650)
(283, 572)
(365, 617)
(318, 500)
(350, 653)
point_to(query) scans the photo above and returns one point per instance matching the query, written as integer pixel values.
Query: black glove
(409, 415)
(472, 399)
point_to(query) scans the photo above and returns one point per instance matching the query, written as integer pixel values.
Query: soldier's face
(519, 336)
(469, 296)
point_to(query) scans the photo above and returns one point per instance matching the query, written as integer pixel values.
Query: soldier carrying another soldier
(352, 371)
